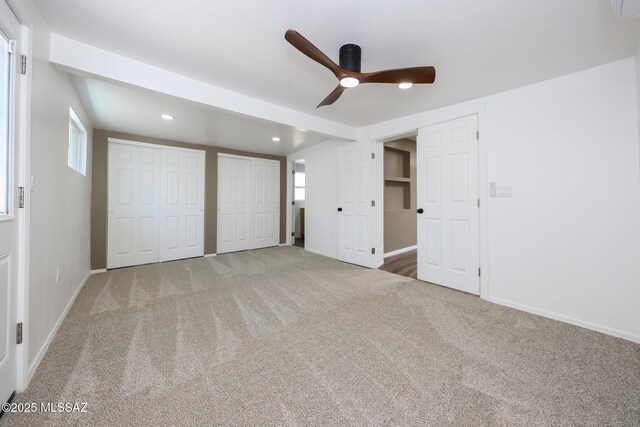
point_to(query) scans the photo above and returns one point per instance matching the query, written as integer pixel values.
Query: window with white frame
(5, 128)
(77, 158)
(299, 184)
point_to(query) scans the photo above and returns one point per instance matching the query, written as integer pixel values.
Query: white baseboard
(100, 270)
(567, 319)
(210, 255)
(52, 334)
(400, 251)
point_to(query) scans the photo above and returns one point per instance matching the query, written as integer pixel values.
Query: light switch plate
(504, 191)
(492, 189)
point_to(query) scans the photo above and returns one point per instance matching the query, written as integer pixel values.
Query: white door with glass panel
(448, 213)
(181, 204)
(9, 194)
(355, 200)
(156, 204)
(248, 203)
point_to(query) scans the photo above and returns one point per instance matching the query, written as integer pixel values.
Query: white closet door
(182, 204)
(265, 190)
(354, 200)
(233, 204)
(448, 226)
(134, 190)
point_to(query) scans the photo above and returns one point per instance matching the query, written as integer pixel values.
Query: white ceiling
(478, 47)
(133, 110)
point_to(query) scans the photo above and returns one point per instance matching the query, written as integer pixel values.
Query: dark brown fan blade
(333, 96)
(306, 47)
(401, 75)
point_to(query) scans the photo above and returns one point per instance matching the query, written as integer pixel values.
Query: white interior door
(9, 217)
(355, 204)
(265, 191)
(233, 204)
(134, 193)
(181, 204)
(448, 218)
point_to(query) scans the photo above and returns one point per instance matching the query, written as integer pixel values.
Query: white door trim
(441, 116)
(24, 229)
(235, 156)
(291, 221)
(149, 145)
(291, 208)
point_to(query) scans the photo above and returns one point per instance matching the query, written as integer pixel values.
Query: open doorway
(400, 203)
(299, 196)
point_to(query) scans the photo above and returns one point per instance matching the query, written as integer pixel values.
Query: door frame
(408, 135)
(24, 229)
(291, 190)
(291, 220)
(433, 118)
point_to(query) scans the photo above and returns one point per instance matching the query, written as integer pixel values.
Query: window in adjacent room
(298, 182)
(77, 158)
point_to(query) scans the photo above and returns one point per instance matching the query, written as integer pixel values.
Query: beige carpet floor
(284, 337)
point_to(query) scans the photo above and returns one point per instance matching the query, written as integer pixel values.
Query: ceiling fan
(348, 72)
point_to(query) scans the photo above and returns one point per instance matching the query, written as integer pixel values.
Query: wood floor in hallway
(405, 264)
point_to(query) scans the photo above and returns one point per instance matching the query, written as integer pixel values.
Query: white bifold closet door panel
(134, 201)
(266, 203)
(448, 217)
(182, 204)
(233, 204)
(155, 204)
(248, 203)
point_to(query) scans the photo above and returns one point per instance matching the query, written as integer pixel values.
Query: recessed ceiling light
(406, 85)
(167, 116)
(349, 82)
(275, 139)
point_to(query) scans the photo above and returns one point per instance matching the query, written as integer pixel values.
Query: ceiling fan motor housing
(350, 55)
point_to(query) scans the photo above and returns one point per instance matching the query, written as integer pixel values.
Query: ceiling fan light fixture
(349, 82)
(349, 71)
(275, 139)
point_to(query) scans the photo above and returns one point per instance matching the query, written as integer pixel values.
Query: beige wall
(99, 194)
(400, 226)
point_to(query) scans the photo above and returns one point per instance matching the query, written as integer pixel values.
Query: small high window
(77, 158)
